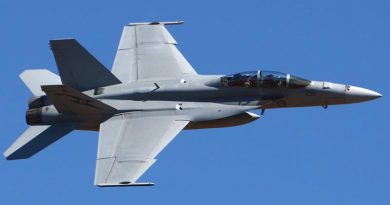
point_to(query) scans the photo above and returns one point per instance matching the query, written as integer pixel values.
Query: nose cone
(358, 94)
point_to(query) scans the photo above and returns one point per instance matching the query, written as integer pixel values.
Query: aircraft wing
(128, 145)
(148, 51)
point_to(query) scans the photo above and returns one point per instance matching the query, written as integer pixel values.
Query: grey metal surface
(78, 68)
(34, 79)
(129, 143)
(149, 52)
(36, 138)
(67, 100)
(235, 120)
(156, 23)
(127, 184)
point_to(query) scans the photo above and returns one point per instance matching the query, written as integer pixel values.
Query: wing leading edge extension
(68, 100)
(128, 145)
(148, 51)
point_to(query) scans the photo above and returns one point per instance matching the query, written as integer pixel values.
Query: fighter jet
(151, 94)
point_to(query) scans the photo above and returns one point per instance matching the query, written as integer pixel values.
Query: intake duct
(34, 116)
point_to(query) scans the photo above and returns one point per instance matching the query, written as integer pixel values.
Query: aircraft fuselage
(225, 106)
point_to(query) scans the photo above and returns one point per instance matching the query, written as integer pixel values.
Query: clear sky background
(290, 156)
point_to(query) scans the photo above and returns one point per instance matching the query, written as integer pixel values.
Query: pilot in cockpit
(263, 79)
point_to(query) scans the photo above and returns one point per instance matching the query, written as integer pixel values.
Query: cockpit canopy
(263, 79)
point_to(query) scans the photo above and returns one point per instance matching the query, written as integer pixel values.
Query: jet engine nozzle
(37, 102)
(34, 116)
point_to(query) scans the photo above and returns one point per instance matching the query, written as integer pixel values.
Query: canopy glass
(263, 79)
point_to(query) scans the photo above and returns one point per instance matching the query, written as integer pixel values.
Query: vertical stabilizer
(78, 68)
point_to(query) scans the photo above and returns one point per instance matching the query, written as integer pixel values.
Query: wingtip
(12, 153)
(125, 184)
(12, 156)
(156, 23)
(6, 155)
(62, 39)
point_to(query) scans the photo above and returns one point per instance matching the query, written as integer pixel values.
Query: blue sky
(291, 156)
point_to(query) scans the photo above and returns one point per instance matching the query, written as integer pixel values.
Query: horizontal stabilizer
(37, 77)
(68, 100)
(36, 138)
(78, 68)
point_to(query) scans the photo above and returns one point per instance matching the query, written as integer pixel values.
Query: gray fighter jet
(151, 94)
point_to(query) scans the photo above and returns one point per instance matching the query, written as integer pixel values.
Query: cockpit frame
(263, 79)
